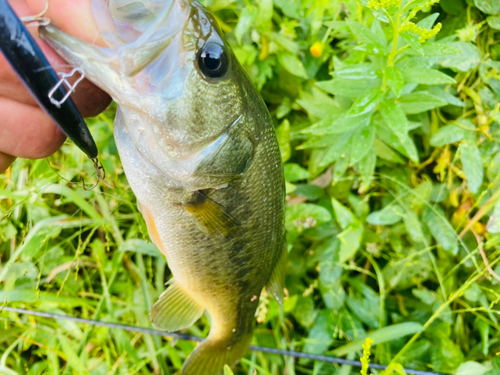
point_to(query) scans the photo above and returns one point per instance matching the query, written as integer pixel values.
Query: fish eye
(213, 61)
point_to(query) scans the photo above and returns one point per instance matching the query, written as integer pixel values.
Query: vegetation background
(387, 113)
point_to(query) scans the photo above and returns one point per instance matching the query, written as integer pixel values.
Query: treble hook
(101, 177)
(38, 19)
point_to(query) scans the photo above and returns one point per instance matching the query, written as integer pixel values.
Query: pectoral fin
(175, 309)
(276, 283)
(211, 216)
(152, 230)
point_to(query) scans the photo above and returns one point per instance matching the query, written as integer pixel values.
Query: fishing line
(179, 336)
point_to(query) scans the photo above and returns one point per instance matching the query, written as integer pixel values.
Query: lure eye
(213, 60)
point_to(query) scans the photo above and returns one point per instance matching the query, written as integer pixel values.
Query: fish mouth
(145, 49)
(145, 63)
(140, 30)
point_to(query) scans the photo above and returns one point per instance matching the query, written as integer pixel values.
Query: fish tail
(211, 355)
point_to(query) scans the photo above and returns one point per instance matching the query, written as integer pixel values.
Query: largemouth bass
(200, 153)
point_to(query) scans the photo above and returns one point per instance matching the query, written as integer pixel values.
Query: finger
(10, 85)
(5, 161)
(26, 131)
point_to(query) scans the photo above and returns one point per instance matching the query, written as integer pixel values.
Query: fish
(40, 78)
(200, 153)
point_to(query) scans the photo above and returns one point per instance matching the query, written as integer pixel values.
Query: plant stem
(438, 312)
(394, 52)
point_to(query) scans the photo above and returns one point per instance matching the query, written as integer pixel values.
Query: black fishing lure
(34, 70)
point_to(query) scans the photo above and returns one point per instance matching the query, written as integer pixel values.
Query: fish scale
(201, 155)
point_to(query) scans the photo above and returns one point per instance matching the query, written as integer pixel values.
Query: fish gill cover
(392, 163)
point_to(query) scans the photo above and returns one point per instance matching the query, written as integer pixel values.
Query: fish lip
(137, 46)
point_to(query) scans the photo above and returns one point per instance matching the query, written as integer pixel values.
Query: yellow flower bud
(317, 49)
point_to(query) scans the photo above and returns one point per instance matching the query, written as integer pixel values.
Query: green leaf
(473, 293)
(419, 102)
(494, 222)
(445, 354)
(454, 7)
(467, 60)
(358, 72)
(362, 142)
(320, 336)
(439, 92)
(298, 214)
(140, 246)
(424, 76)
(367, 103)
(428, 22)
(488, 6)
(340, 147)
(72, 357)
(311, 192)
(18, 295)
(440, 49)
(386, 334)
(472, 164)
(447, 135)
(221, 4)
(471, 368)
(441, 229)
(246, 20)
(304, 311)
(319, 104)
(294, 172)
(410, 149)
(342, 214)
(385, 152)
(350, 88)
(283, 134)
(350, 241)
(414, 41)
(395, 79)
(365, 310)
(337, 125)
(365, 35)
(424, 295)
(484, 330)
(395, 119)
(227, 370)
(494, 22)
(366, 166)
(290, 188)
(266, 8)
(285, 42)
(390, 215)
(292, 64)
(341, 166)
(291, 8)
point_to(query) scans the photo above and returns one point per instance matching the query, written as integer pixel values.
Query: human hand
(25, 129)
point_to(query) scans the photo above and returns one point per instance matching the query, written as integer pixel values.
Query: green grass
(392, 158)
